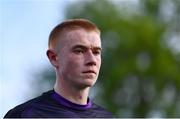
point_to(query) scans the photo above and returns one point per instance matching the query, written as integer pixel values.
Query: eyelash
(81, 51)
(96, 52)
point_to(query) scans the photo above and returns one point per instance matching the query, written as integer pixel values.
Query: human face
(80, 58)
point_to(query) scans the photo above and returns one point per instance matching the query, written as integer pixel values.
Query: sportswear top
(52, 105)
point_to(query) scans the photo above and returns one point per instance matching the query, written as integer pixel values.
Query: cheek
(73, 65)
(99, 62)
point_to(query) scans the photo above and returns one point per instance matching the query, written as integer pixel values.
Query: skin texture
(77, 61)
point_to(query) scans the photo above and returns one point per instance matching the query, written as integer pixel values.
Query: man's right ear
(52, 56)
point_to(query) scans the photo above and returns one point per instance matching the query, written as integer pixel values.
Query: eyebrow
(85, 47)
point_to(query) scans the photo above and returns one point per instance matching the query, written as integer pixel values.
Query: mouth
(89, 72)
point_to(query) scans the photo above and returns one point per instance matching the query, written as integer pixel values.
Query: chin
(89, 82)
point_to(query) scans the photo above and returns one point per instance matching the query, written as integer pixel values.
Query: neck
(73, 94)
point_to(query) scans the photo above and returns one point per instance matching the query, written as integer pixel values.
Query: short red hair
(68, 25)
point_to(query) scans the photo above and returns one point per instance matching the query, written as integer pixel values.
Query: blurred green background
(141, 56)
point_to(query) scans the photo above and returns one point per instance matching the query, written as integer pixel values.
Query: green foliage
(138, 67)
(140, 73)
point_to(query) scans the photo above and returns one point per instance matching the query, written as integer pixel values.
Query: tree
(140, 69)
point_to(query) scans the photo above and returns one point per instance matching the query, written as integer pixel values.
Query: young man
(75, 52)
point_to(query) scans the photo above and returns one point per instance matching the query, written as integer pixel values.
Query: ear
(52, 56)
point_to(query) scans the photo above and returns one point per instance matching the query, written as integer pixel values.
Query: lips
(89, 71)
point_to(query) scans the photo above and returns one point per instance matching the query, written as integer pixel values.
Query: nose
(90, 59)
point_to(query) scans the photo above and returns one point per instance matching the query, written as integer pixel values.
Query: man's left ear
(52, 56)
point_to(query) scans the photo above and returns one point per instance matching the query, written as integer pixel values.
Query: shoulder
(25, 108)
(101, 111)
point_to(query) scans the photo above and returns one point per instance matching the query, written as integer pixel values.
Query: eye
(79, 51)
(97, 52)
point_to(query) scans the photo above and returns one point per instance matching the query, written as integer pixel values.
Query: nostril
(90, 63)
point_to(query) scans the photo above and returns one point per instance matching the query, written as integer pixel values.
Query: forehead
(82, 37)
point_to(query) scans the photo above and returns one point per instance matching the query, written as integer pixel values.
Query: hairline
(67, 26)
(62, 37)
